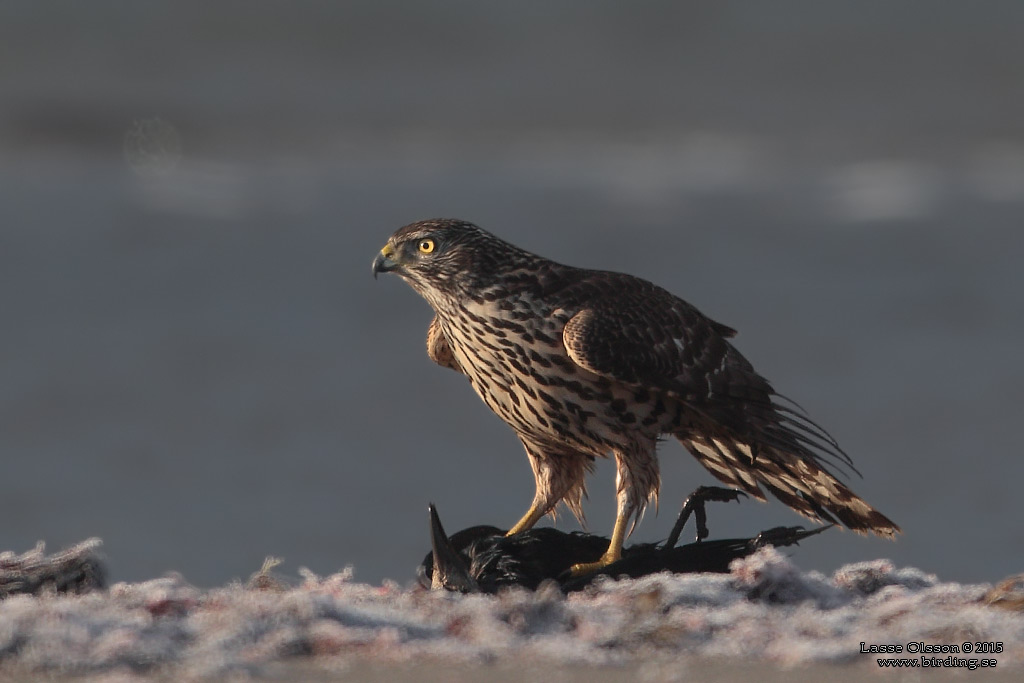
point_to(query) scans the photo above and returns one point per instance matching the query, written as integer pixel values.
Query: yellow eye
(426, 246)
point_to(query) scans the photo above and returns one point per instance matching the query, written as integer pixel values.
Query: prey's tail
(785, 452)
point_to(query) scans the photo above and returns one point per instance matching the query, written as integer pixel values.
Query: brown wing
(438, 349)
(631, 331)
(634, 332)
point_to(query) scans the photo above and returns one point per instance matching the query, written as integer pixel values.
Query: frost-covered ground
(660, 627)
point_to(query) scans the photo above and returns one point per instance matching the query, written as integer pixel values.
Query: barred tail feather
(791, 472)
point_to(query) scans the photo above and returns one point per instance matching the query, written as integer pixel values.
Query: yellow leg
(529, 519)
(614, 552)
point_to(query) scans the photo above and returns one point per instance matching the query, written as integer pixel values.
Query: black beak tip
(382, 264)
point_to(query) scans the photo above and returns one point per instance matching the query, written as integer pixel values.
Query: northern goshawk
(587, 363)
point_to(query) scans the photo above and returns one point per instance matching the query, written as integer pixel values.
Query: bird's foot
(527, 522)
(719, 494)
(694, 504)
(585, 568)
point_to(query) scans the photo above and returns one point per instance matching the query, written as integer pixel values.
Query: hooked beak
(385, 261)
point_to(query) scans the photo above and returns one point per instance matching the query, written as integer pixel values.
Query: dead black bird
(482, 559)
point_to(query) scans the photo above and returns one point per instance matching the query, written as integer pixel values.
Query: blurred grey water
(196, 365)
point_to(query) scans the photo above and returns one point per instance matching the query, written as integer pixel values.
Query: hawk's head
(442, 256)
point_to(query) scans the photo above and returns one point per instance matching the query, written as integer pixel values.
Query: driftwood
(482, 559)
(79, 569)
